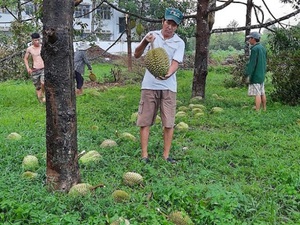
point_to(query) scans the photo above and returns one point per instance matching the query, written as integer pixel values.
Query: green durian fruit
(14, 136)
(157, 62)
(139, 29)
(131, 178)
(180, 218)
(121, 221)
(90, 157)
(126, 136)
(92, 76)
(108, 143)
(180, 114)
(80, 189)
(217, 110)
(132, 24)
(197, 110)
(29, 175)
(30, 162)
(182, 126)
(134, 116)
(120, 196)
(183, 108)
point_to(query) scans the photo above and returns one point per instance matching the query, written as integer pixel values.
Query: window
(122, 24)
(104, 12)
(82, 11)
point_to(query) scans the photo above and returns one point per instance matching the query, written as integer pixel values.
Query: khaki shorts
(256, 89)
(154, 100)
(38, 78)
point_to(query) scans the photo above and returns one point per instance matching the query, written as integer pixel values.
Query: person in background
(37, 70)
(160, 93)
(80, 60)
(256, 70)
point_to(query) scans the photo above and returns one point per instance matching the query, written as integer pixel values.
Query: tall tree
(61, 122)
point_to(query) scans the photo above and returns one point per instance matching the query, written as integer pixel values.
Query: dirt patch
(97, 53)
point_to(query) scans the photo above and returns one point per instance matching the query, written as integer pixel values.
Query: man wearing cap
(37, 70)
(160, 93)
(256, 70)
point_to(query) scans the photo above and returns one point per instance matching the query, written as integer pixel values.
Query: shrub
(284, 64)
(237, 78)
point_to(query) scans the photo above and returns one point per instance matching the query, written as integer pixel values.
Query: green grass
(236, 167)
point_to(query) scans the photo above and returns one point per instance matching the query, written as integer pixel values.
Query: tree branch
(265, 25)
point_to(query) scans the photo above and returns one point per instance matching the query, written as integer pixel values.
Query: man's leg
(257, 102)
(79, 83)
(144, 136)
(168, 136)
(264, 102)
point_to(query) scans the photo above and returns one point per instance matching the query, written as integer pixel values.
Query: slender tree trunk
(248, 24)
(129, 50)
(202, 42)
(61, 122)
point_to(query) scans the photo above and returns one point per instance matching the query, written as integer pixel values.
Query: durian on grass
(157, 62)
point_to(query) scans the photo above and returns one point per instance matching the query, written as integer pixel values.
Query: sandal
(170, 160)
(145, 160)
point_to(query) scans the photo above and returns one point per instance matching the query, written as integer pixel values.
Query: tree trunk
(129, 50)
(61, 122)
(248, 24)
(202, 42)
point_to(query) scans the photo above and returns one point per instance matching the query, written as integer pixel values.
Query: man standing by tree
(37, 70)
(256, 70)
(160, 93)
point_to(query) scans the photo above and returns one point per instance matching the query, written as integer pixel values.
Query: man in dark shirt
(256, 70)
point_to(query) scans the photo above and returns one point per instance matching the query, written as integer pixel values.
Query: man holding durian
(165, 50)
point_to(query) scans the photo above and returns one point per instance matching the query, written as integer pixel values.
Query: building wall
(109, 27)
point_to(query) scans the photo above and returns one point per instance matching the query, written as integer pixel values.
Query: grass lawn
(234, 167)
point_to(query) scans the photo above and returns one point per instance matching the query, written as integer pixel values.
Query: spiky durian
(30, 162)
(182, 126)
(180, 218)
(14, 136)
(139, 29)
(120, 221)
(29, 175)
(157, 62)
(90, 157)
(108, 143)
(131, 178)
(92, 76)
(80, 189)
(120, 196)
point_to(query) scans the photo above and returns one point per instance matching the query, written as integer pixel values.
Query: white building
(106, 21)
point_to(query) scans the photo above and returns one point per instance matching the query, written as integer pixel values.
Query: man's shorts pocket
(141, 106)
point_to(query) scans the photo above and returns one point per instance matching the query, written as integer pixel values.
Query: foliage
(222, 41)
(235, 167)
(237, 78)
(284, 64)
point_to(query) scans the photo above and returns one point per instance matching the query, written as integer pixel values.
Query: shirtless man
(37, 70)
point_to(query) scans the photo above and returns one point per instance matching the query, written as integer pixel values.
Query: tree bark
(248, 24)
(61, 122)
(204, 24)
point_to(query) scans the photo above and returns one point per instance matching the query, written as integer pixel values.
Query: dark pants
(79, 80)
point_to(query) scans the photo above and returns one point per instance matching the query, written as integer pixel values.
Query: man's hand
(29, 71)
(150, 38)
(163, 78)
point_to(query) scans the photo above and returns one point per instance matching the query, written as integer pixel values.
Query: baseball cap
(254, 35)
(174, 14)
